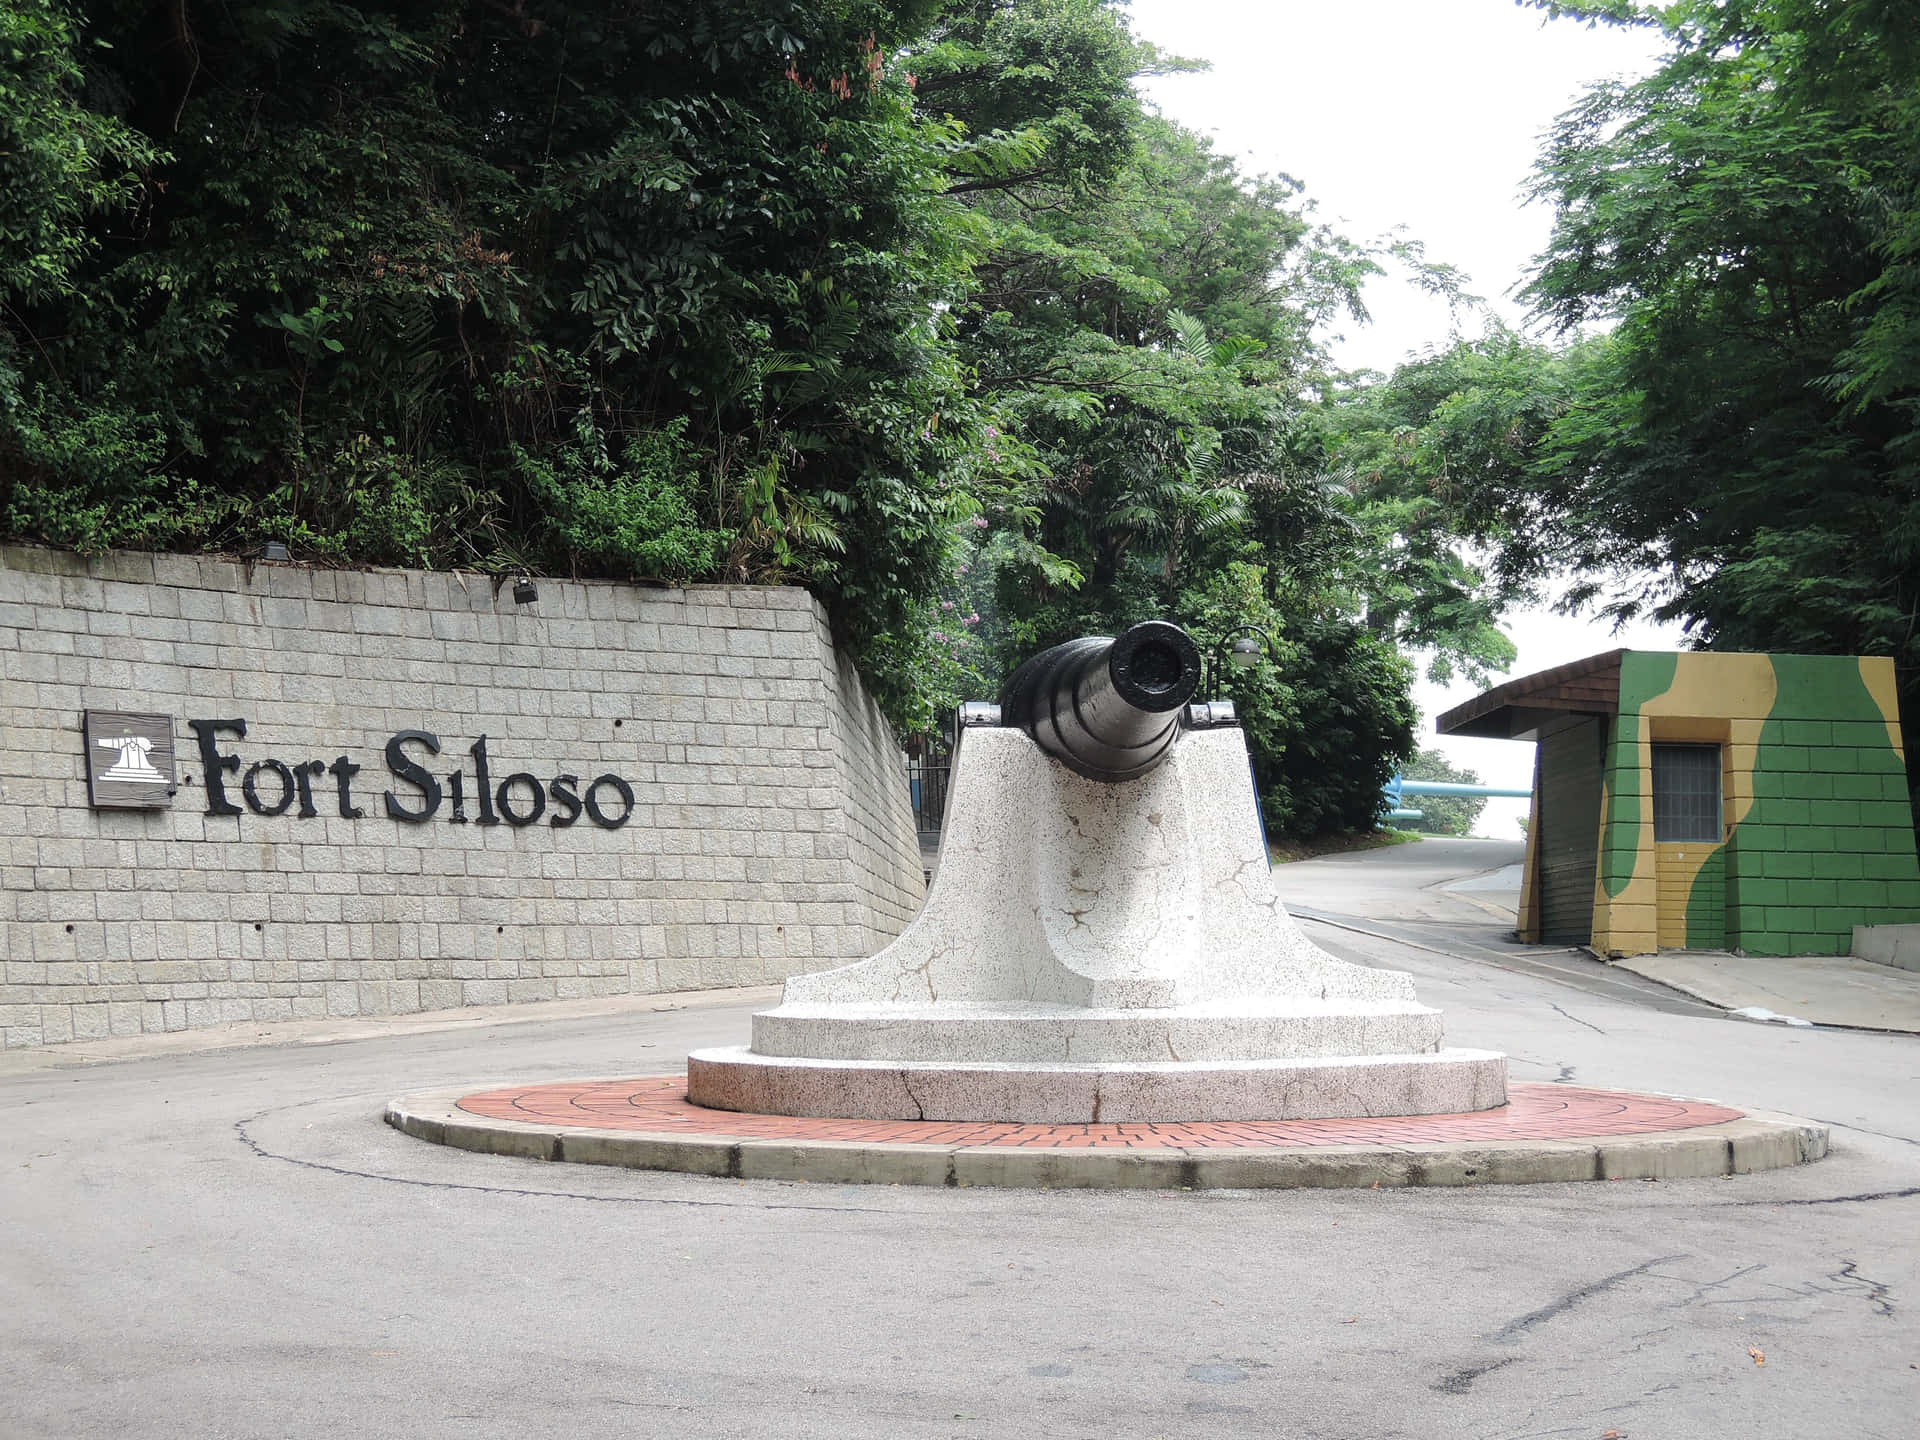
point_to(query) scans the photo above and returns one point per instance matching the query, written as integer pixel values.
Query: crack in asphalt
(1907, 1193)
(1510, 1333)
(1878, 1294)
(1701, 1291)
(1578, 1021)
(1531, 963)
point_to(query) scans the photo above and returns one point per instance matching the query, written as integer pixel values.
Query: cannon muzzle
(1106, 708)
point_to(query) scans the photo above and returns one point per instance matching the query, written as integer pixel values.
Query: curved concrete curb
(1759, 1141)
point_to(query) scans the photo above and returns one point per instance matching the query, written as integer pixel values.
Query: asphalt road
(232, 1244)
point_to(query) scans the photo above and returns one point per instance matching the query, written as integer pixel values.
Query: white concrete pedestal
(1099, 952)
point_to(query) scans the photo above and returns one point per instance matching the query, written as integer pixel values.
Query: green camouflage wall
(1819, 833)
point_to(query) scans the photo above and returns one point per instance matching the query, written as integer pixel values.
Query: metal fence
(927, 783)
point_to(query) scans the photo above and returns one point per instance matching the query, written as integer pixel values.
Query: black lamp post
(1241, 646)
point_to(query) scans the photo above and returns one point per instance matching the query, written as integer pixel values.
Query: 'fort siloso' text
(272, 787)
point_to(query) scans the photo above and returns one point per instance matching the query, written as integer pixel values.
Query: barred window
(1686, 792)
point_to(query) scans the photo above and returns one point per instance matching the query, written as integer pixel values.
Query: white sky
(1425, 114)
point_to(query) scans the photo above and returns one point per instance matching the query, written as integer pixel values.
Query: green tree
(1153, 340)
(1748, 432)
(656, 289)
(909, 301)
(1439, 452)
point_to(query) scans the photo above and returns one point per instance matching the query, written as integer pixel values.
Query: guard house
(1709, 801)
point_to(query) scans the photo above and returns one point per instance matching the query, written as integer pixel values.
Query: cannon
(1108, 709)
(1093, 951)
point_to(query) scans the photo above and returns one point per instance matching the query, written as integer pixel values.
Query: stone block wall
(768, 831)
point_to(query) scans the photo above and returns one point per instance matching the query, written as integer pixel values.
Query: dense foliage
(1153, 344)
(1730, 436)
(647, 289)
(1740, 448)
(910, 302)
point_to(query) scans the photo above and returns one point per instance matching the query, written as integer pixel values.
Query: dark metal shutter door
(1569, 831)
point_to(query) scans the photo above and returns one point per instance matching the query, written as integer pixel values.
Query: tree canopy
(914, 303)
(1739, 447)
(1729, 433)
(651, 289)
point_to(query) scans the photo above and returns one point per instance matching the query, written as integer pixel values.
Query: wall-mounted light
(525, 592)
(276, 550)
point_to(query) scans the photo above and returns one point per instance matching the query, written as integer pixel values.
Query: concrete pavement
(230, 1243)
(1821, 989)
(1469, 890)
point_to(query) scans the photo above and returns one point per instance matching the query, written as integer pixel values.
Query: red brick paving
(658, 1103)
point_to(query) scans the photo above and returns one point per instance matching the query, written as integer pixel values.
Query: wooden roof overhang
(1519, 709)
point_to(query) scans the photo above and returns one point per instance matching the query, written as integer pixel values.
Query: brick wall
(769, 832)
(1827, 842)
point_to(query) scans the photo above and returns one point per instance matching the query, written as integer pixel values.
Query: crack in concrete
(919, 1105)
(925, 971)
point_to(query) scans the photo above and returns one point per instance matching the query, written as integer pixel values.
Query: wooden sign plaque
(129, 760)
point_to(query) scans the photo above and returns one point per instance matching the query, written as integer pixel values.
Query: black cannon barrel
(1106, 708)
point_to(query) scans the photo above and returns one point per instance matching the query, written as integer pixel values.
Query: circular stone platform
(1544, 1133)
(1312, 1087)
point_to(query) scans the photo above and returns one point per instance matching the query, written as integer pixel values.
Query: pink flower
(946, 604)
(979, 522)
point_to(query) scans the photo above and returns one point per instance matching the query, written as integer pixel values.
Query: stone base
(1282, 1029)
(1444, 1082)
